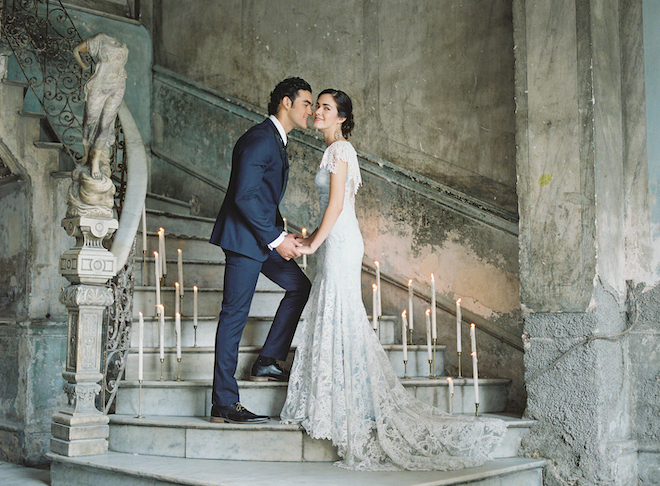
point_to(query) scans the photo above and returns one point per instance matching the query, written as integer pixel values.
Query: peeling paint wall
(431, 81)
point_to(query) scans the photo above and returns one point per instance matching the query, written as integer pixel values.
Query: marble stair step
(122, 469)
(193, 398)
(198, 438)
(197, 362)
(209, 301)
(254, 334)
(202, 273)
(192, 248)
(179, 224)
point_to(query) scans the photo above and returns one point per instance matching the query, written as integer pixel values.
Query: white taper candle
(180, 268)
(141, 347)
(459, 318)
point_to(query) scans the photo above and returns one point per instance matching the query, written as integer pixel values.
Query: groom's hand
(288, 249)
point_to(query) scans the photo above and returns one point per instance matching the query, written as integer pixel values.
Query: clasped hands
(293, 246)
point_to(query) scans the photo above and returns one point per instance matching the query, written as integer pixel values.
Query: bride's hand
(306, 250)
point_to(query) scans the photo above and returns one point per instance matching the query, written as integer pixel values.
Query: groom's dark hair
(288, 88)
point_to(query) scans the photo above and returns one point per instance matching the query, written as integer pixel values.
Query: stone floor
(14, 475)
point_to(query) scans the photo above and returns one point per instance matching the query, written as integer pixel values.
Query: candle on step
(177, 294)
(475, 371)
(161, 250)
(374, 307)
(404, 337)
(410, 305)
(177, 330)
(180, 268)
(144, 228)
(380, 306)
(450, 381)
(304, 262)
(434, 321)
(458, 326)
(141, 347)
(161, 333)
(157, 273)
(429, 346)
(195, 305)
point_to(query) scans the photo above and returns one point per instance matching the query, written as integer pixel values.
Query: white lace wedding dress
(342, 385)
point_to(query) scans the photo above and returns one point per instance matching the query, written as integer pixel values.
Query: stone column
(80, 429)
(572, 201)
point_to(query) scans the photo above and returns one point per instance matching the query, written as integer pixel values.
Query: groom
(249, 229)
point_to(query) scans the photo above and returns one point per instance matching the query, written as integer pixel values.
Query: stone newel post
(80, 429)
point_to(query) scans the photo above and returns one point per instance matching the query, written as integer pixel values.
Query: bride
(342, 386)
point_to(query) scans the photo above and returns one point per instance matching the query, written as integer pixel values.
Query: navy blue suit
(248, 221)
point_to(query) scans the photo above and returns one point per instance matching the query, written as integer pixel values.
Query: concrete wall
(585, 255)
(431, 81)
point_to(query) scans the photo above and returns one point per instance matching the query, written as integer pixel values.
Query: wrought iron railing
(42, 36)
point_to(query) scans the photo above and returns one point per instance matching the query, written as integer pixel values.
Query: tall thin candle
(195, 305)
(410, 304)
(475, 371)
(434, 320)
(141, 347)
(144, 228)
(177, 330)
(163, 254)
(157, 273)
(180, 268)
(374, 307)
(428, 334)
(459, 318)
(177, 297)
(404, 337)
(380, 304)
(285, 225)
(161, 334)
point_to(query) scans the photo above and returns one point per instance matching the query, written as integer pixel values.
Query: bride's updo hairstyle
(344, 109)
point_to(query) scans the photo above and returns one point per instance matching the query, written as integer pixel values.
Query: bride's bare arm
(332, 212)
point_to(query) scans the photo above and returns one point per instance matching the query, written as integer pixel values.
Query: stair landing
(120, 469)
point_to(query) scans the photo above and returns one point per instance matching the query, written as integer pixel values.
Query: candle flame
(428, 312)
(403, 314)
(432, 277)
(458, 301)
(194, 287)
(449, 379)
(374, 286)
(156, 253)
(472, 325)
(161, 230)
(376, 263)
(410, 282)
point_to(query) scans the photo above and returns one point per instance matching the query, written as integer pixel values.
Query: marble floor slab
(236, 473)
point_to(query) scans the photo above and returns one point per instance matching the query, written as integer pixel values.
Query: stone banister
(136, 188)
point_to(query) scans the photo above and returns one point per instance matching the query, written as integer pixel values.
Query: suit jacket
(249, 218)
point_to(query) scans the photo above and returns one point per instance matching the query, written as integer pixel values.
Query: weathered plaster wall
(583, 198)
(431, 81)
(14, 241)
(645, 372)
(404, 222)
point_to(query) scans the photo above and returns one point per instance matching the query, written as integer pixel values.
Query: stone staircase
(173, 429)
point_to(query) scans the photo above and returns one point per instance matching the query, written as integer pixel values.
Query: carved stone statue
(92, 191)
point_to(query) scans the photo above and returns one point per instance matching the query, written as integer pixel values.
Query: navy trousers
(241, 274)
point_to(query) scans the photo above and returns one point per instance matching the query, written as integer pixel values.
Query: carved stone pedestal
(80, 429)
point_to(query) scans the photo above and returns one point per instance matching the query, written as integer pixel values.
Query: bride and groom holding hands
(341, 386)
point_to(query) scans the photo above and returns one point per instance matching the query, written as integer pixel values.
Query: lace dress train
(342, 385)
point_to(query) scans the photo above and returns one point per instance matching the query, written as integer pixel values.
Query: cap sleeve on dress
(343, 151)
